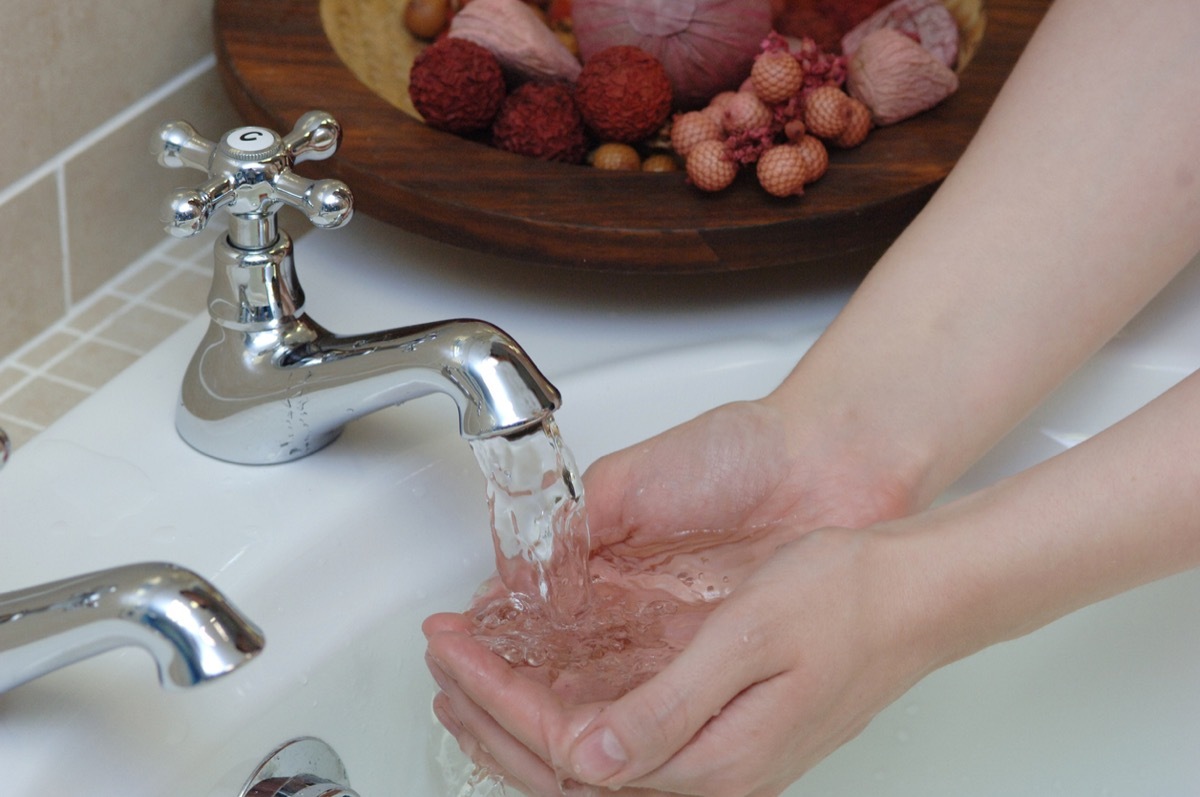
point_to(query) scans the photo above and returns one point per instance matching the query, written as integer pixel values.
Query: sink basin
(339, 556)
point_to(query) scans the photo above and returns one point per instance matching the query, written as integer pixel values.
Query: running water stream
(581, 631)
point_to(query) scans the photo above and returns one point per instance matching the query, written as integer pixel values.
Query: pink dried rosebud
(816, 157)
(826, 113)
(858, 125)
(776, 76)
(744, 111)
(782, 170)
(518, 37)
(709, 168)
(794, 129)
(689, 129)
(896, 77)
(928, 22)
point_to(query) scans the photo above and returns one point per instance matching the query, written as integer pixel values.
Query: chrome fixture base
(304, 767)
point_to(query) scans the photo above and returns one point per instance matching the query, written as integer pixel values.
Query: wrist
(866, 473)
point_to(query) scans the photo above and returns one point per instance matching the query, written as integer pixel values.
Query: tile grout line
(95, 135)
(129, 300)
(64, 235)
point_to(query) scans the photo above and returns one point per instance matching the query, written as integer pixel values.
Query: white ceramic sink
(338, 557)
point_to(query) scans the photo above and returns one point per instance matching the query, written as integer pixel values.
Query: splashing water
(581, 633)
(539, 529)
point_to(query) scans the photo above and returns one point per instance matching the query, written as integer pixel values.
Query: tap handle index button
(251, 143)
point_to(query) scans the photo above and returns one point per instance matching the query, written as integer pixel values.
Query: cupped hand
(794, 663)
(718, 507)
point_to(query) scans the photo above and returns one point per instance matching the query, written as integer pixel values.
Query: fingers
(487, 745)
(639, 732)
(529, 711)
(450, 622)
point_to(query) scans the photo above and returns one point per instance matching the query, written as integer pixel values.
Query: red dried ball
(540, 120)
(457, 86)
(623, 93)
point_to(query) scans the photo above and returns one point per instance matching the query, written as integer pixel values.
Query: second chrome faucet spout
(269, 384)
(191, 630)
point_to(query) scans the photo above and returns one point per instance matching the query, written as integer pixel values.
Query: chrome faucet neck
(254, 289)
(253, 231)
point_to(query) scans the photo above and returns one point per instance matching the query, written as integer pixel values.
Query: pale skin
(1077, 202)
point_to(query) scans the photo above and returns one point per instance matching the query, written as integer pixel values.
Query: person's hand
(713, 499)
(795, 662)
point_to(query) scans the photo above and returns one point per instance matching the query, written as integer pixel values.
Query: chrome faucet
(189, 628)
(268, 384)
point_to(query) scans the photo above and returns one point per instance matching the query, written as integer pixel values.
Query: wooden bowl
(277, 59)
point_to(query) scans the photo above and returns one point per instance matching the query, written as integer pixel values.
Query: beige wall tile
(42, 401)
(31, 270)
(103, 309)
(48, 349)
(93, 363)
(186, 292)
(141, 328)
(144, 278)
(9, 377)
(19, 433)
(114, 191)
(67, 66)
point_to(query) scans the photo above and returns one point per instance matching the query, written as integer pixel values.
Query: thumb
(642, 730)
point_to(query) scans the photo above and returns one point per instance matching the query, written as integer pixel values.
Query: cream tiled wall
(84, 83)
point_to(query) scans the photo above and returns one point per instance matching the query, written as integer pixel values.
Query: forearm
(1117, 511)
(1078, 200)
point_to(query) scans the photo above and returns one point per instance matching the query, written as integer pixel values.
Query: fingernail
(598, 756)
(445, 715)
(438, 672)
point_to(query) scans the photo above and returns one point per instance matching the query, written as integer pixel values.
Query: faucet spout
(189, 628)
(268, 384)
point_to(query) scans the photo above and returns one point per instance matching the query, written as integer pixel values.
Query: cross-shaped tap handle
(250, 174)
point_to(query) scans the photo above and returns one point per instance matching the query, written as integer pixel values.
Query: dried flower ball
(782, 170)
(858, 124)
(815, 157)
(456, 86)
(776, 76)
(623, 94)
(709, 166)
(827, 111)
(745, 111)
(690, 128)
(540, 120)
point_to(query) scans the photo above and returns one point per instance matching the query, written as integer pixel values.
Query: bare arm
(1075, 204)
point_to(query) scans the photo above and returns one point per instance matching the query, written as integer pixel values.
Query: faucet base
(304, 766)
